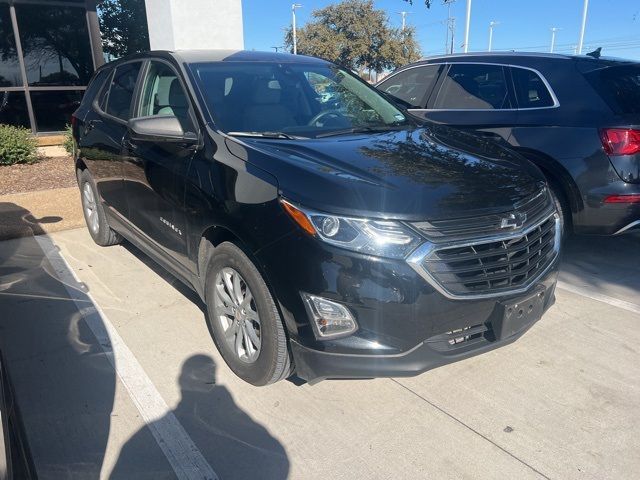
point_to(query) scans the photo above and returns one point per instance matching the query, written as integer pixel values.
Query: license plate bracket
(519, 314)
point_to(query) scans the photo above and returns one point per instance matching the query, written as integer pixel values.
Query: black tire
(103, 235)
(562, 206)
(273, 362)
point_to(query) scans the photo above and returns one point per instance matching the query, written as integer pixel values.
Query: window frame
(435, 90)
(135, 112)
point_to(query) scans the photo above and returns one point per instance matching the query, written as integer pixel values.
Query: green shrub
(68, 140)
(17, 145)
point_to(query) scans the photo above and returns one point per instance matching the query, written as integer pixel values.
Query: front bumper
(403, 321)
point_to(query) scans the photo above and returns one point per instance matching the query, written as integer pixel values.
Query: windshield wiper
(266, 135)
(370, 129)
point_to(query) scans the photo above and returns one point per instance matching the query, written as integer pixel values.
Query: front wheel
(244, 320)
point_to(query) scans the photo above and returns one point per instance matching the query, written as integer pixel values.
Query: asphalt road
(116, 376)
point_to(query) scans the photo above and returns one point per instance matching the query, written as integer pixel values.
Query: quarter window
(531, 91)
(473, 87)
(123, 85)
(410, 86)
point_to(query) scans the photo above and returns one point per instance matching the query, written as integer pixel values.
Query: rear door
(155, 171)
(102, 131)
(474, 96)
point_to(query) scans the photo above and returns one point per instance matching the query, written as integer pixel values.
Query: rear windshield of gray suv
(619, 87)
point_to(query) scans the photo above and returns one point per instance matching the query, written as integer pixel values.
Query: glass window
(53, 109)
(121, 90)
(410, 86)
(163, 94)
(619, 86)
(531, 92)
(56, 46)
(13, 109)
(473, 87)
(9, 67)
(296, 99)
(94, 86)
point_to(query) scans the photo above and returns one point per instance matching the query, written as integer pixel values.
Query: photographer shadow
(233, 444)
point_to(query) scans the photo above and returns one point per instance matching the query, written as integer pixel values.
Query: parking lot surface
(116, 376)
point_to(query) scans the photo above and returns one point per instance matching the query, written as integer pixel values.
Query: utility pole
(451, 25)
(492, 24)
(467, 26)
(404, 19)
(553, 38)
(294, 6)
(584, 25)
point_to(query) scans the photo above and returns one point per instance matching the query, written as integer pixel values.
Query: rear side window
(94, 87)
(531, 91)
(123, 84)
(473, 87)
(619, 87)
(410, 86)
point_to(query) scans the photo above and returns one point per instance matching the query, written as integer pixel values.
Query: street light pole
(467, 26)
(404, 19)
(491, 25)
(584, 25)
(293, 26)
(553, 38)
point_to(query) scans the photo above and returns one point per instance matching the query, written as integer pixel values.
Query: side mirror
(160, 129)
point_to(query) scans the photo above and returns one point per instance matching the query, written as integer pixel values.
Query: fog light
(329, 318)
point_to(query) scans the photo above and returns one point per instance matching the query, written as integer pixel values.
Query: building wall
(195, 24)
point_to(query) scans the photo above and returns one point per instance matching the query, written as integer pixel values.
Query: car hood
(419, 174)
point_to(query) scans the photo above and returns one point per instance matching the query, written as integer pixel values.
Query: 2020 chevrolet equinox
(329, 235)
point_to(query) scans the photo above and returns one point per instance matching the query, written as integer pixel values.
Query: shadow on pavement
(64, 385)
(18, 222)
(609, 265)
(235, 445)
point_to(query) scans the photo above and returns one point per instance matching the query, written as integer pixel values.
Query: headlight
(382, 238)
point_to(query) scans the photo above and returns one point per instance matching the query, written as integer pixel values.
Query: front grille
(498, 266)
(534, 208)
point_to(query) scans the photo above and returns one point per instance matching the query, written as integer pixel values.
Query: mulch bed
(48, 173)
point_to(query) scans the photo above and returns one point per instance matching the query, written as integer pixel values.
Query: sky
(524, 25)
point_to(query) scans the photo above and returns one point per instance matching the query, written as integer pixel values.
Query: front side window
(410, 86)
(296, 99)
(473, 87)
(120, 96)
(531, 91)
(163, 95)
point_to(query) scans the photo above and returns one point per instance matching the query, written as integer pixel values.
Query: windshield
(292, 99)
(619, 86)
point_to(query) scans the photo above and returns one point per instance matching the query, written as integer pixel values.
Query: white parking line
(185, 458)
(585, 292)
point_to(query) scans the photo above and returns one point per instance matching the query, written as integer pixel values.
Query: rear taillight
(620, 141)
(630, 198)
(74, 120)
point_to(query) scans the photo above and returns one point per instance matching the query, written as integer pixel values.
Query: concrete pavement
(563, 402)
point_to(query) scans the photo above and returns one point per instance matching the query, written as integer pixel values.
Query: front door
(154, 171)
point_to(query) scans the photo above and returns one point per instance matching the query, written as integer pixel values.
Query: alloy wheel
(237, 313)
(90, 210)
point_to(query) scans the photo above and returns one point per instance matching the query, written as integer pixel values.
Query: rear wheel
(94, 214)
(244, 320)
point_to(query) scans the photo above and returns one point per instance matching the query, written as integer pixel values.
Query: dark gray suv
(576, 117)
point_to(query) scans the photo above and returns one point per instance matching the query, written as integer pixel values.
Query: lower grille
(491, 267)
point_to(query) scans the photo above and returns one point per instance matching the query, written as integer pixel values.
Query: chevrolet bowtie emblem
(513, 220)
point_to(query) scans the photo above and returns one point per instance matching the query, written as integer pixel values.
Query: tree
(123, 24)
(357, 36)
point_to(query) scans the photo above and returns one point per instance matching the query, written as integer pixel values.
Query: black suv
(328, 234)
(576, 117)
